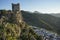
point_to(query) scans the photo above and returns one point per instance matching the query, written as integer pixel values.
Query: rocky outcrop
(14, 28)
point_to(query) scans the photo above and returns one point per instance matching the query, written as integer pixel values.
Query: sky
(44, 6)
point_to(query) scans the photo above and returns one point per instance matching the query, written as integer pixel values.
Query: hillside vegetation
(13, 31)
(46, 21)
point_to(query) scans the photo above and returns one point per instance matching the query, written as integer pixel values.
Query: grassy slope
(42, 20)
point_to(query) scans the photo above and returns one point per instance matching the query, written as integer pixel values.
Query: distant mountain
(46, 21)
(57, 14)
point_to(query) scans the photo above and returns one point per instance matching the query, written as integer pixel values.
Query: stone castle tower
(15, 7)
(16, 13)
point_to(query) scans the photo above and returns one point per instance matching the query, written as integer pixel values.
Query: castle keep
(16, 12)
(15, 7)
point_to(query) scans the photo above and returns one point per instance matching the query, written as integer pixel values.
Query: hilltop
(12, 26)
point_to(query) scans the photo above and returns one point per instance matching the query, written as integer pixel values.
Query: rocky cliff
(12, 29)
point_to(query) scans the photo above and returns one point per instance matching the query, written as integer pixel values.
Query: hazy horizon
(43, 6)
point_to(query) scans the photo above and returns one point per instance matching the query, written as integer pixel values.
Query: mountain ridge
(34, 19)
